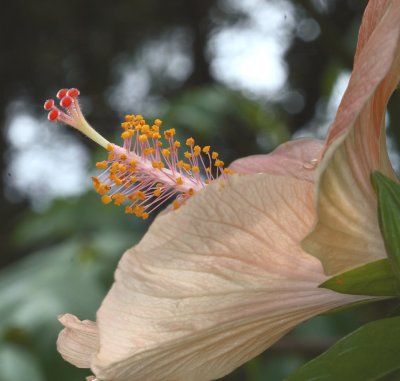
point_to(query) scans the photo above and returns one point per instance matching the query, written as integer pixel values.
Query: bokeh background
(241, 75)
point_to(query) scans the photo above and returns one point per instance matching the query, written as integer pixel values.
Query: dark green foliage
(388, 192)
(370, 353)
(375, 279)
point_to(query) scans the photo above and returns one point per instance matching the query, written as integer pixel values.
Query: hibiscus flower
(238, 265)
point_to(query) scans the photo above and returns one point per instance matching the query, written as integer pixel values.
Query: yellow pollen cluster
(190, 142)
(158, 164)
(169, 134)
(144, 174)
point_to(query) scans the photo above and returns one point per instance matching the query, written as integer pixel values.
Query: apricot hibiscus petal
(78, 342)
(213, 284)
(296, 158)
(346, 202)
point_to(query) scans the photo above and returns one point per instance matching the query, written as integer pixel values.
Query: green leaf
(388, 193)
(375, 279)
(367, 354)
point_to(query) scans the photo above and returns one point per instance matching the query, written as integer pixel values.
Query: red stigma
(53, 115)
(70, 114)
(48, 105)
(73, 92)
(62, 93)
(66, 102)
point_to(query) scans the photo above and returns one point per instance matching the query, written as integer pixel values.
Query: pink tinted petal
(371, 18)
(375, 72)
(356, 146)
(78, 341)
(213, 284)
(296, 158)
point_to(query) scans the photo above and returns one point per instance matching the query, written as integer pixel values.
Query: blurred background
(241, 75)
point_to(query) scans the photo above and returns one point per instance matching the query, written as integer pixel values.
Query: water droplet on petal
(310, 164)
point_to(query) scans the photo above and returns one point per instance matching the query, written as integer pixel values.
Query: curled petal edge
(78, 342)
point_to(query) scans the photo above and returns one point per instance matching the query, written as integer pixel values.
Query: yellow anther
(145, 215)
(195, 169)
(188, 155)
(228, 171)
(128, 210)
(145, 129)
(95, 180)
(166, 152)
(206, 149)
(111, 156)
(190, 142)
(196, 150)
(219, 163)
(128, 134)
(138, 210)
(142, 138)
(176, 204)
(99, 187)
(186, 167)
(156, 135)
(125, 135)
(179, 164)
(190, 192)
(133, 179)
(110, 148)
(157, 192)
(158, 122)
(157, 164)
(129, 118)
(168, 134)
(121, 168)
(101, 164)
(148, 151)
(116, 180)
(103, 189)
(106, 199)
(177, 144)
(125, 125)
(139, 195)
(118, 198)
(123, 157)
(214, 155)
(179, 180)
(208, 169)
